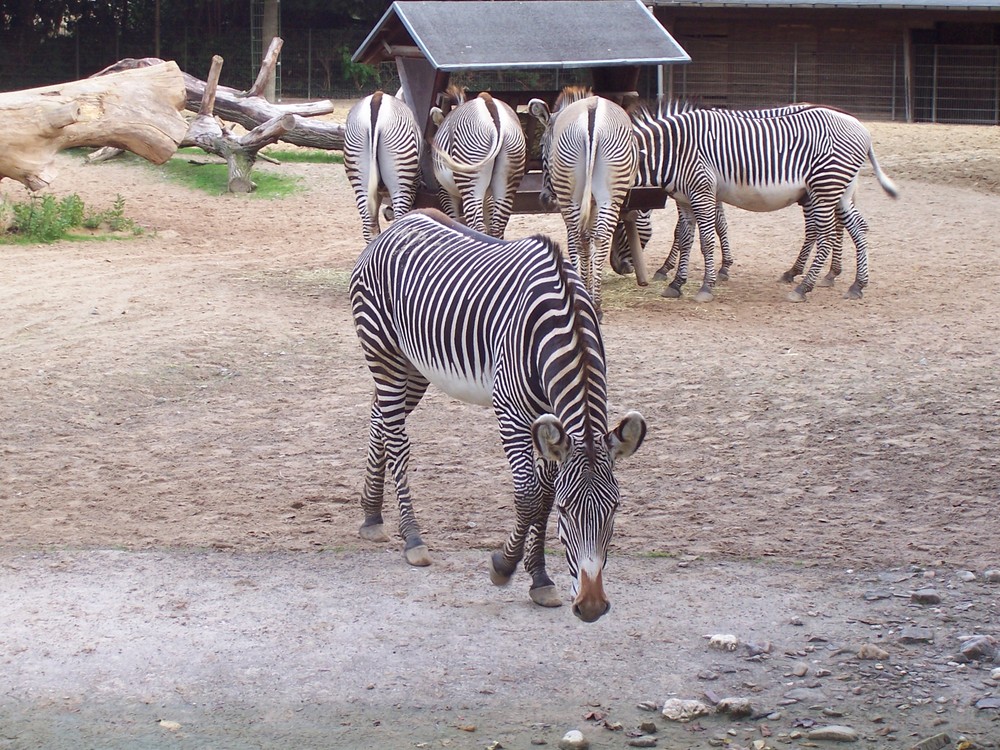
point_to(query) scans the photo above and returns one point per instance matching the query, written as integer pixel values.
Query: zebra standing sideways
(589, 158)
(506, 324)
(811, 155)
(381, 146)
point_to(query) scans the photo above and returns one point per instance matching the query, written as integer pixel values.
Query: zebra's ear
(538, 109)
(437, 116)
(626, 438)
(550, 439)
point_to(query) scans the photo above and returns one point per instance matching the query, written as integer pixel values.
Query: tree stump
(136, 110)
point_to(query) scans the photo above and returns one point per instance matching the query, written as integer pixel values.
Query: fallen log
(250, 109)
(136, 110)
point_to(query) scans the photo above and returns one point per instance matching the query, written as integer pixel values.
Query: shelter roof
(939, 5)
(522, 34)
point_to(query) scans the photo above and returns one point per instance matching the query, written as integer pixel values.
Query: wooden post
(635, 247)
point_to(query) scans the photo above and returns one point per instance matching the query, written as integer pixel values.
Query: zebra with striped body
(589, 159)
(479, 155)
(506, 324)
(381, 147)
(762, 163)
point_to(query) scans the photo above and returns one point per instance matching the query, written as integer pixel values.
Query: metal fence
(948, 83)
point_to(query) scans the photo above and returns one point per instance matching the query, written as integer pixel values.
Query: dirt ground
(183, 419)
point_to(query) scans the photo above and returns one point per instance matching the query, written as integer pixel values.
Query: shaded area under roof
(523, 34)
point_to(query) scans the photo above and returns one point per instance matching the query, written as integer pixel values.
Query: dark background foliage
(49, 41)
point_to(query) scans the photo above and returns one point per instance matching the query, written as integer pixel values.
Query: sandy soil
(182, 437)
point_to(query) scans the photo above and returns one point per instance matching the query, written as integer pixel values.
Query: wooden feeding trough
(611, 40)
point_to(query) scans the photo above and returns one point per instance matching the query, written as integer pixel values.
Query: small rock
(539, 741)
(676, 709)
(916, 635)
(966, 576)
(805, 695)
(834, 733)
(723, 642)
(872, 652)
(756, 649)
(170, 726)
(800, 669)
(573, 740)
(876, 595)
(648, 706)
(735, 707)
(642, 742)
(995, 674)
(648, 727)
(979, 648)
(925, 596)
(992, 576)
(937, 742)
(991, 702)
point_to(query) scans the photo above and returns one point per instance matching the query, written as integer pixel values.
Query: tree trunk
(137, 110)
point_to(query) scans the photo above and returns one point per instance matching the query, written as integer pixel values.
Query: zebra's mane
(442, 218)
(452, 97)
(571, 94)
(577, 311)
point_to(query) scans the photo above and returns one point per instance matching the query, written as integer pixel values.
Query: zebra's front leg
(705, 218)
(543, 590)
(722, 229)
(826, 226)
(531, 507)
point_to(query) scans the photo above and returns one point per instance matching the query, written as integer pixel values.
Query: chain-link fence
(949, 83)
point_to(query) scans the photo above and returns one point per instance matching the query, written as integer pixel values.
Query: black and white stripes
(381, 148)
(760, 162)
(507, 324)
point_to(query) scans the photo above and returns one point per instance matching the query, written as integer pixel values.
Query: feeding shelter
(429, 40)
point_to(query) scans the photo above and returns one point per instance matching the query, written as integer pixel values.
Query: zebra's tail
(883, 179)
(371, 196)
(464, 168)
(588, 182)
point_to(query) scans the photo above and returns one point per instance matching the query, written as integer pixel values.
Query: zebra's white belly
(761, 198)
(473, 388)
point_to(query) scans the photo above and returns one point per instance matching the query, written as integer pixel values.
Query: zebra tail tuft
(883, 179)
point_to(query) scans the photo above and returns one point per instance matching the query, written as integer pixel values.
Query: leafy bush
(48, 219)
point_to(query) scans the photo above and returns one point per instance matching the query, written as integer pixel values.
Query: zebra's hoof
(670, 292)
(419, 556)
(373, 533)
(855, 292)
(723, 274)
(703, 295)
(789, 277)
(659, 276)
(499, 576)
(796, 296)
(826, 281)
(545, 596)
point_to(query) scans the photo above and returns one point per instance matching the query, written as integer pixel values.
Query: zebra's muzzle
(590, 603)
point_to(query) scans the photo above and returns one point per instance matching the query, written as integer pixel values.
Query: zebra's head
(586, 500)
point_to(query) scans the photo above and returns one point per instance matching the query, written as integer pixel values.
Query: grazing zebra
(478, 155)
(381, 147)
(811, 155)
(589, 159)
(506, 324)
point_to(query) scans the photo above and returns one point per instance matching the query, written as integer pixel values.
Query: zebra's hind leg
(857, 227)
(399, 389)
(373, 494)
(836, 258)
(683, 237)
(807, 244)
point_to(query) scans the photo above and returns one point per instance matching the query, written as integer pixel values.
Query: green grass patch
(213, 178)
(47, 219)
(306, 156)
